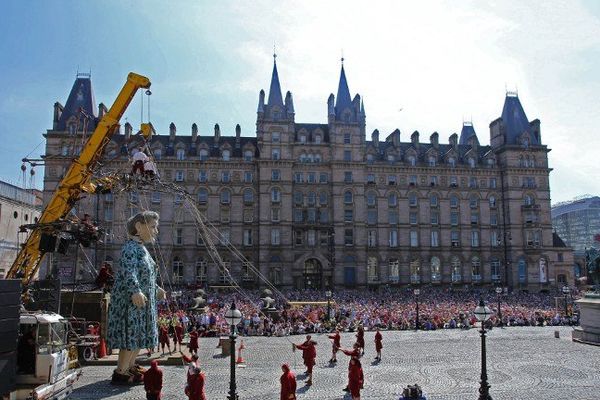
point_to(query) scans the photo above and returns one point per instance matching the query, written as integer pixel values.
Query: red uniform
(153, 381)
(336, 341)
(355, 378)
(378, 341)
(193, 341)
(288, 384)
(178, 335)
(164, 335)
(309, 354)
(360, 338)
(195, 390)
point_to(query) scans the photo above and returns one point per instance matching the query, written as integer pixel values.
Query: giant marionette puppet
(132, 312)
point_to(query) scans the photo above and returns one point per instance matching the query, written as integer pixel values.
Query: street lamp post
(233, 316)
(566, 290)
(328, 295)
(483, 313)
(499, 292)
(417, 292)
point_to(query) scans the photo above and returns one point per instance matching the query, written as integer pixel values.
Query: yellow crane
(76, 180)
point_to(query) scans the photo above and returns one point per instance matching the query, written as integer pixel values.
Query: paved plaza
(523, 363)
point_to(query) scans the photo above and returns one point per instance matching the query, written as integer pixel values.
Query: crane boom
(76, 179)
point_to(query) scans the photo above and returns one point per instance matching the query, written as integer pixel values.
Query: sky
(425, 66)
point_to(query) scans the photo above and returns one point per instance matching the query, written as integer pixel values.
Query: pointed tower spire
(343, 99)
(467, 132)
(514, 119)
(275, 98)
(81, 101)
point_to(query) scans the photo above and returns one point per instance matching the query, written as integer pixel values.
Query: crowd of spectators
(390, 309)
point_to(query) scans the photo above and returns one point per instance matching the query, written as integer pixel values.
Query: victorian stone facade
(319, 205)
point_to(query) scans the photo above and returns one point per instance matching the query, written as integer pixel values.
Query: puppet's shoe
(121, 379)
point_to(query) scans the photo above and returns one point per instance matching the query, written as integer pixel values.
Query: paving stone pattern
(523, 363)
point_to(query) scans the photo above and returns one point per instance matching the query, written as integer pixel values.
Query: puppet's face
(147, 232)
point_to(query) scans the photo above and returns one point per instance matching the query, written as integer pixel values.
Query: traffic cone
(240, 359)
(102, 348)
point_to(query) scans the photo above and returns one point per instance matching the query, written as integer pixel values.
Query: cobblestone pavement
(523, 363)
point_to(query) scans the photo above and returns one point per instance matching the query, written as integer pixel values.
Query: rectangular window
(413, 218)
(275, 175)
(347, 155)
(348, 216)
(311, 238)
(275, 154)
(178, 198)
(225, 236)
(108, 236)
(275, 137)
(414, 239)
(435, 218)
(453, 181)
(248, 178)
(199, 239)
(474, 218)
(311, 215)
(472, 182)
(248, 215)
(455, 238)
(298, 215)
(324, 216)
(275, 215)
(348, 177)
(393, 217)
(454, 218)
(312, 178)
(371, 178)
(494, 242)
(393, 239)
(560, 257)
(391, 179)
(435, 239)
(412, 180)
(348, 237)
(179, 175)
(202, 176)
(298, 238)
(433, 181)
(179, 236)
(493, 219)
(346, 138)
(298, 178)
(493, 183)
(474, 239)
(275, 239)
(323, 177)
(225, 215)
(412, 200)
(372, 238)
(371, 217)
(324, 238)
(155, 197)
(247, 237)
(225, 176)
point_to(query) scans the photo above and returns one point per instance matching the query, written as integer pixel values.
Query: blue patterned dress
(130, 327)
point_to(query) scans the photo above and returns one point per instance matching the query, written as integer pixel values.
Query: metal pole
(417, 319)
(232, 387)
(484, 388)
(499, 312)
(329, 308)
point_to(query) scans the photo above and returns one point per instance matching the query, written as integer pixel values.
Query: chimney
(375, 138)
(101, 110)
(128, 131)
(194, 132)
(238, 134)
(172, 132)
(217, 135)
(396, 137)
(58, 109)
(453, 140)
(414, 138)
(434, 139)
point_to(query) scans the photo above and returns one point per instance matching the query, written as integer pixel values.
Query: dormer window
(72, 128)
(302, 139)
(317, 139)
(157, 154)
(370, 158)
(203, 155)
(181, 154)
(452, 162)
(432, 161)
(226, 155)
(412, 160)
(526, 142)
(248, 155)
(471, 162)
(275, 137)
(347, 116)
(391, 159)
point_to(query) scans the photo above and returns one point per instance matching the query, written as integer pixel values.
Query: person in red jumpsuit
(193, 341)
(355, 378)
(177, 336)
(335, 346)
(195, 388)
(353, 354)
(288, 384)
(193, 364)
(378, 344)
(105, 277)
(360, 338)
(153, 381)
(163, 337)
(309, 354)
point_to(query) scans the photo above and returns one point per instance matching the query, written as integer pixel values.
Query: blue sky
(422, 67)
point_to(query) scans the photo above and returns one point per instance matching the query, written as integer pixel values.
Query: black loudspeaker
(10, 304)
(47, 243)
(63, 246)
(46, 295)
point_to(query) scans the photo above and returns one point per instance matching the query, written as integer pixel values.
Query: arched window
(248, 195)
(456, 269)
(392, 199)
(522, 270)
(433, 200)
(476, 268)
(203, 154)
(452, 162)
(226, 155)
(492, 201)
(302, 139)
(370, 158)
(413, 200)
(454, 201)
(201, 269)
(495, 268)
(436, 269)
(317, 139)
(157, 153)
(432, 161)
(372, 272)
(181, 154)
(312, 198)
(275, 195)
(412, 160)
(64, 150)
(225, 196)
(471, 162)
(248, 155)
(371, 199)
(391, 158)
(415, 271)
(202, 196)
(528, 200)
(177, 270)
(473, 201)
(348, 197)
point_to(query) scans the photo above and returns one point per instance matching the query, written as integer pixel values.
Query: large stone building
(18, 207)
(318, 205)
